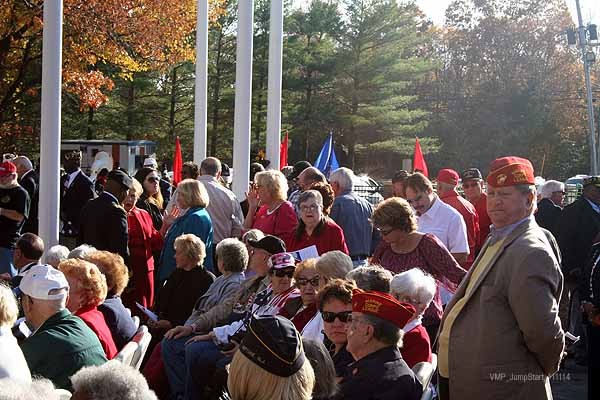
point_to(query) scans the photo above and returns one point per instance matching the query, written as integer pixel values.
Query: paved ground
(570, 383)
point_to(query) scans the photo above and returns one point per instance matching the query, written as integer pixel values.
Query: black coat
(578, 226)
(382, 375)
(30, 182)
(103, 224)
(547, 215)
(72, 200)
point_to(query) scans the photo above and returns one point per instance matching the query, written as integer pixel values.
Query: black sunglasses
(314, 282)
(344, 316)
(280, 273)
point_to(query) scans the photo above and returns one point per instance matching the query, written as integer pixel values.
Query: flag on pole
(283, 151)
(326, 161)
(419, 161)
(177, 162)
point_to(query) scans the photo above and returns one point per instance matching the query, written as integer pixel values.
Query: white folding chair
(127, 353)
(62, 394)
(424, 373)
(142, 338)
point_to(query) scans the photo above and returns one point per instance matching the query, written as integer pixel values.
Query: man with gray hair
(550, 206)
(352, 213)
(223, 207)
(113, 380)
(61, 343)
(29, 180)
(371, 277)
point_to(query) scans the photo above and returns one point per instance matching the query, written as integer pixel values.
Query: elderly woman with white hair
(552, 196)
(12, 362)
(55, 254)
(417, 289)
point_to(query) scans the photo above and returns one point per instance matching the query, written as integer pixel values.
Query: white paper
(306, 253)
(149, 313)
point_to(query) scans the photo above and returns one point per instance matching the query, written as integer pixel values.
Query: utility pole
(588, 57)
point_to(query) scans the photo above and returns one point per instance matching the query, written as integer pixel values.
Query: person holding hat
(447, 181)
(505, 312)
(271, 363)
(103, 221)
(14, 211)
(173, 346)
(76, 190)
(205, 353)
(472, 185)
(374, 336)
(61, 343)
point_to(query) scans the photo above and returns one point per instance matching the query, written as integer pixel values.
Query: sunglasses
(344, 316)
(416, 199)
(280, 273)
(314, 282)
(153, 179)
(385, 232)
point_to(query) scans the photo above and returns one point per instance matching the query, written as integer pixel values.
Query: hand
(231, 352)
(179, 332)
(199, 338)
(252, 196)
(160, 324)
(170, 218)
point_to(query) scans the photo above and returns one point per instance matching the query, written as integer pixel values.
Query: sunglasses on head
(280, 273)
(314, 282)
(344, 316)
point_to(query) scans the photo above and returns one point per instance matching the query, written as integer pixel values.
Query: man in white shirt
(436, 217)
(223, 207)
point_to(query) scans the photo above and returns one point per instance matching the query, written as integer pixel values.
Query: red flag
(177, 162)
(419, 161)
(283, 151)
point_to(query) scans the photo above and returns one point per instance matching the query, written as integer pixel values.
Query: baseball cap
(298, 168)
(471, 174)
(592, 180)
(41, 279)
(274, 344)
(121, 177)
(281, 261)
(7, 168)
(150, 162)
(448, 176)
(269, 243)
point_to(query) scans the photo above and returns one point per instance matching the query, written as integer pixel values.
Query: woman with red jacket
(143, 240)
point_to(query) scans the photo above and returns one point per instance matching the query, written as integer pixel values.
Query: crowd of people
(468, 285)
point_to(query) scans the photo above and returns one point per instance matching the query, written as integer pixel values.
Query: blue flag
(326, 161)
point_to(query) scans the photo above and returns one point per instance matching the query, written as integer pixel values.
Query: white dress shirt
(223, 208)
(446, 224)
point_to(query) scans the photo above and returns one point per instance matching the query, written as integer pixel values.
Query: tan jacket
(508, 340)
(218, 315)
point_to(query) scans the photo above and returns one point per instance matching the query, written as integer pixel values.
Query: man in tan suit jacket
(500, 336)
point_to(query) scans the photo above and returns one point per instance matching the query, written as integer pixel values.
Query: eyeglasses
(280, 273)
(314, 282)
(416, 199)
(311, 208)
(344, 316)
(153, 179)
(385, 232)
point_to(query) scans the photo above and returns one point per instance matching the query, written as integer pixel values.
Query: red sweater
(330, 238)
(417, 347)
(469, 214)
(95, 320)
(281, 223)
(484, 219)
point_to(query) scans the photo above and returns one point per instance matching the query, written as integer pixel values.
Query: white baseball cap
(150, 162)
(40, 280)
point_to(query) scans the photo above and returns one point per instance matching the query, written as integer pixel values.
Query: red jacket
(416, 346)
(484, 219)
(469, 214)
(330, 238)
(95, 320)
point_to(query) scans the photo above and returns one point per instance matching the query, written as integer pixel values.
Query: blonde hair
(275, 182)
(395, 212)
(193, 193)
(192, 246)
(114, 269)
(88, 276)
(310, 264)
(247, 381)
(9, 310)
(334, 264)
(136, 187)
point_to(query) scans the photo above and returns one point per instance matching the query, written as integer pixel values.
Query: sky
(590, 10)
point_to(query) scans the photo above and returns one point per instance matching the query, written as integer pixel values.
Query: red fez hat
(382, 305)
(509, 171)
(448, 176)
(7, 168)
